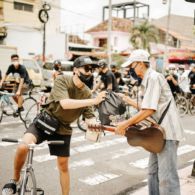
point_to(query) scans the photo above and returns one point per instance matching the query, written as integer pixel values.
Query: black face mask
(84, 78)
(133, 74)
(56, 68)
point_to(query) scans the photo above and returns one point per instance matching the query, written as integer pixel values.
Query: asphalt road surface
(105, 168)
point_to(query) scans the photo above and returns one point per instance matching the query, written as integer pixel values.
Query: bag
(46, 123)
(113, 105)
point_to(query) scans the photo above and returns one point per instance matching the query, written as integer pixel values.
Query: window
(102, 42)
(23, 6)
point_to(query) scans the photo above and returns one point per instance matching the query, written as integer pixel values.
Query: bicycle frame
(28, 170)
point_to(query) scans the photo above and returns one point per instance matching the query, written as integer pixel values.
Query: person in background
(183, 78)
(22, 77)
(118, 75)
(107, 78)
(191, 77)
(172, 79)
(57, 66)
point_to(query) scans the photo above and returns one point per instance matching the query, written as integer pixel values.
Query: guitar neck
(108, 128)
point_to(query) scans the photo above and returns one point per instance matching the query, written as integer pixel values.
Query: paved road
(106, 168)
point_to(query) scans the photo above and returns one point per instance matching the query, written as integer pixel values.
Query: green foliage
(142, 35)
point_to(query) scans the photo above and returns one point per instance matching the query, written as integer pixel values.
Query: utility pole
(167, 34)
(109, 34)
(44, 17)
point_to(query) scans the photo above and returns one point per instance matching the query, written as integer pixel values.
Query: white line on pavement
(99, 178)
(82, 163)
(43, 158)
(188, 131)
(124, 152)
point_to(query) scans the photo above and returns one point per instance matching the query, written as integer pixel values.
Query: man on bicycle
(69, 98)
(108, 80)
(23, 81)
(191, 77)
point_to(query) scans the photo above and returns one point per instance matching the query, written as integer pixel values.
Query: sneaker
(20, 109)
(9, 188)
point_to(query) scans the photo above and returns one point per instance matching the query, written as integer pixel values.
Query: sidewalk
(186, 181)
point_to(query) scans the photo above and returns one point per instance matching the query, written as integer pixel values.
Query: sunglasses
(88, 68)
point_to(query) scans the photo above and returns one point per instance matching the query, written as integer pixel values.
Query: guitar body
(150, 138)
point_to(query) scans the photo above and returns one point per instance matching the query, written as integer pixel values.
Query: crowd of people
(71, 96)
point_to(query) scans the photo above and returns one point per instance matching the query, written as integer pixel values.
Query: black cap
(102, 63)
(82, 61)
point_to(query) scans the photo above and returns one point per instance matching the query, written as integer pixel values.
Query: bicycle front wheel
(31, 110)
(1, 110)
(28, 184)
(192, 105)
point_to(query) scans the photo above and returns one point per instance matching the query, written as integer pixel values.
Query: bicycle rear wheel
(28, 184)
(182, 105)
(192, 105)
(31, 109)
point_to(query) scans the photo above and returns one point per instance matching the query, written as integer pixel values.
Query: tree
(142, 35)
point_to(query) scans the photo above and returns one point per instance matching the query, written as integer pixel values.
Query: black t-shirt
(0, 75)
(89, 83)
(108, 78)
(174, 88)
(21, 70)
(192, 78)
(119, 76)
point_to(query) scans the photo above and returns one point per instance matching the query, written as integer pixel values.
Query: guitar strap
(164, 113)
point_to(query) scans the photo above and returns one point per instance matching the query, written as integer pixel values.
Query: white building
(25, 31)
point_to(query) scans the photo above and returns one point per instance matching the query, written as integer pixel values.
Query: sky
(80, 15)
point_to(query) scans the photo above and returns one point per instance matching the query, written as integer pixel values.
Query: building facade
(22, 28)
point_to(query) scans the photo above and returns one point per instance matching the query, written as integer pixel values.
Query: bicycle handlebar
(54, 142)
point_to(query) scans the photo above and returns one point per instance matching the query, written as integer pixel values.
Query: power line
(62, 9)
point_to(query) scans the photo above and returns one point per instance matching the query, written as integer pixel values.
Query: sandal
(9, 188)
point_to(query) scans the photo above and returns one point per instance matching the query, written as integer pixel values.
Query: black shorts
(57, 150)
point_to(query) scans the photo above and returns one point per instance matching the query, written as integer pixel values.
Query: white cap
(172, 66)
(192, 65)
(138, 55)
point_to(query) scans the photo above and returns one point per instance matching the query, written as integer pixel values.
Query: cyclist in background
(191, 77)
(57, 66)
(108, 80)
(24, 82)
(118, 75)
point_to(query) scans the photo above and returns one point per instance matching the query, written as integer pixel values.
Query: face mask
(171, 71)
(15, 63)
(56, 68)
(180, 72)
(133, 74)
(84, 78)
(95, 74)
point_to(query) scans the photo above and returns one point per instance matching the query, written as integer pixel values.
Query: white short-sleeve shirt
(157, 95)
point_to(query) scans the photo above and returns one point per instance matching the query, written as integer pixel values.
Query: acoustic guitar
(150, 138)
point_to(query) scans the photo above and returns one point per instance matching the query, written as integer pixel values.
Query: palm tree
(142, 35)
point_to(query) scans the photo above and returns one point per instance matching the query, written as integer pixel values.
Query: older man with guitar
(159, 104)
(162, 137)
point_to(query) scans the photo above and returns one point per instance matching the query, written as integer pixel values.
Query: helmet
(102, 63)
(56, 65)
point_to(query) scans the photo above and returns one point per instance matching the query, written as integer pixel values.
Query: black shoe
(20, 109)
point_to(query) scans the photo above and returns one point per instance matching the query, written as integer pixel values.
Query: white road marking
(192, 160)
(78, 139)
(185, 149)
(100, 145)
(43, 158)
(142, 163)
(11, 122)
(99, 178)
(188, 131)
(82, 163)
(124, 152)
(4, 144)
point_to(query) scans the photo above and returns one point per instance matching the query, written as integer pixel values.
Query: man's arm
(74, 103)
(141, 115)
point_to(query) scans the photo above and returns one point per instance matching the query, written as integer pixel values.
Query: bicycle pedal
(15, 114)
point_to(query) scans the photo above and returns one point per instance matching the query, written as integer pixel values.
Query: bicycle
(28, 184)
(8, 108)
